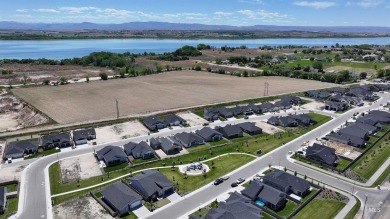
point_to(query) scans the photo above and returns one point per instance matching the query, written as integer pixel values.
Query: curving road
(34, 198)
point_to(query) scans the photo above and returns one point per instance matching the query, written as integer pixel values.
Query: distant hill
(10, 25)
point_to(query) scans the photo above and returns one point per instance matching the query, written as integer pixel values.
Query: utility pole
(267, 88)
(117, 109)
(364, 208)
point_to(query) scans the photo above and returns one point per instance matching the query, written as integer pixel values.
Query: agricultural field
(156, 93)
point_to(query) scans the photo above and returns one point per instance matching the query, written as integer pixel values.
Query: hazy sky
(229, 12)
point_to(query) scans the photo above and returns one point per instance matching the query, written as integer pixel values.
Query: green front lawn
(198, 148)
(199, 113)
(42, 154)
(140, 160)
(367, 165)
(12, 187)
(222, 141)
(116, 167)
(130, 216)
(288, 209)
(312, 192)
(320, 209)
(352, 213)
(223, 165)
(342, 164)
(12, 208)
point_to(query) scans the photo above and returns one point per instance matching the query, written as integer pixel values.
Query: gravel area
(83, 208)
(268, 128)
(120, 131)
(11, 173)
(192, 119)
(81, 167)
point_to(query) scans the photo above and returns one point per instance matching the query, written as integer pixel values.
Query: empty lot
(142, 95)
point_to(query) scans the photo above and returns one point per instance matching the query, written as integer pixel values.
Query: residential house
(294, 100)
(225, 113)
(360, 92)
(174, 120)
(151, 184)
(167, 144)
(267, 107)
(317, 94)
(322, 154)
(338, 90)
(211, 114)
(83, 136)
(337, 98)
(189, 139)
(3, 199)
(355, 101)
(60, 140)
(121, 198)
(154, 123)
(303, 119)
(18, 149)
(369, 128)
(236, 206)
(354, 130)
(287, 121)
(139, 150)
(209, 135)
(250, 128)
(347, 139)
(250, 109)
(281, 105)
(270, 196)
(235, 110)
(230, 131)
(111, 155)
(287, 183)
(273, 120)
(336, 106)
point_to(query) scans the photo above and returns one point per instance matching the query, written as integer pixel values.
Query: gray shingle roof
(285, 180)
(141, 147)
(257, 190)
(120, 195)
(172, 118)
(18, 147)
(321, 152)
(188, 138)
(230, 130)
(207, 132)
(56, 138)
(110, 153)
(354, 130)
(83, 134)
(151, 181)
(151, 122)
(249, 127)
(3, 191)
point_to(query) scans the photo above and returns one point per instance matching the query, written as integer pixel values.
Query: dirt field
(142, 95)
(345, 150)
(268, 128)
(120, 131)
(82, 208)
(81, 167)
(16, 114)
(192, 119)
(354, 70)
(314, 105)
(11, 173)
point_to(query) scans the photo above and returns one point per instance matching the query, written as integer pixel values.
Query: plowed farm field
(95, 101)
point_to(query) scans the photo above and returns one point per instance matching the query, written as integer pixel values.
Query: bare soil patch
(268, 128)
(83, 207)
(161, 92)
(11, 173)
(343, 149)
(79, 168)
(192, 119)
(16, 114)
(314, 105)
(120, 131)
(369, 71)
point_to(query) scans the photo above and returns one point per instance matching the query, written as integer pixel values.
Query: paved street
(35, 194)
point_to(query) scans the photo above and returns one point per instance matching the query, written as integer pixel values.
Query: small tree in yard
(87, 78)
(103, 76)
(295, 173)
(46, 82)
(63, 80)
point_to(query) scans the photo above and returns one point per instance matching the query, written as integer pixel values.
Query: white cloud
(46, 10)
(262, 14)
(222, 14)
(77, 10)
(316, 4)
(369, 3)
(21, 10)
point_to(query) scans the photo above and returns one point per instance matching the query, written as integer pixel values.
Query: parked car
(256, 178)
(218, 181)
(205, 124)
(300, 152)
(290, 153)
(240, 180)
(225, 177)
(234, 184)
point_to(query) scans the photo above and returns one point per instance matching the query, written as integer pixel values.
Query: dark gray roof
(274, 120)
(287, 120)
(267, 105)
(207, 132)
(18, 147)
(326, 154)
(257, 190)
(110, 153)
(367, 127)
(236, 206)
(249, 127)
(212, 112)
(56, 138)
(223, 111)
(230, 130)
(188, 138)
(151, 181)
(291, 99)
(168, 143)
(285, 180)
(151, 122)
(141, 147)
(354, 130)
(172, 118)
(83, 134)
(3, 191)
(350, 139)
(282, 104)
(120, 195)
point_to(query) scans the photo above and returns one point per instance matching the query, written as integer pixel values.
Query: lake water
(60, 49)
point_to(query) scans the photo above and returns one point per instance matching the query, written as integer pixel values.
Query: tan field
(143, 95)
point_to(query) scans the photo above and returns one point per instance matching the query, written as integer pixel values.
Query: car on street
(218, 181)
(256, 178)
(225, 177)
(300, 152)
(290, 153)
(234, 184)
(240, 180)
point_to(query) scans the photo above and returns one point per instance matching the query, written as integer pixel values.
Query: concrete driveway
(141, 212)
(174, 197)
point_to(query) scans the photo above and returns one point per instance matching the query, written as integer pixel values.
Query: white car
(240, 180)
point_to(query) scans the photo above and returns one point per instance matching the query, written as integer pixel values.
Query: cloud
(262, 14)
(21, 10)
(316, 5)
(252, 1)
(222, 14)
(76, 10)
(369, 3)
(46, 10)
